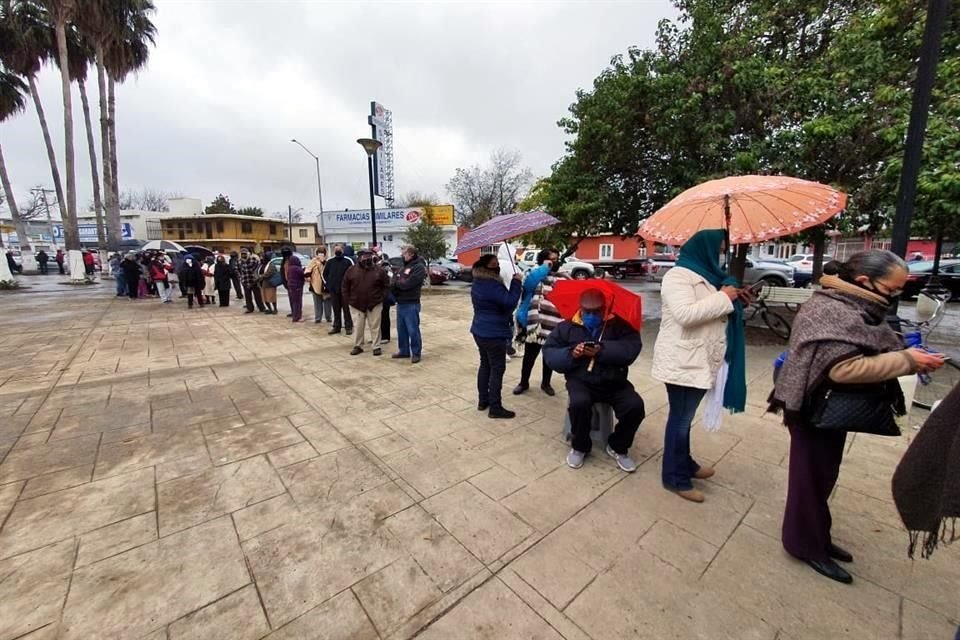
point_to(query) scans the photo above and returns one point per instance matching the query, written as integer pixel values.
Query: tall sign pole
(913, 153)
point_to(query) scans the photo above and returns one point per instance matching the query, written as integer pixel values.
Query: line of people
(841, 343)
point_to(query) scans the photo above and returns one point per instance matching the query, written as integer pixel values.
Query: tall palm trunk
(5, 274)
(12, 205)
(92, 150)
(112, 124)
(113, 224)
(51, 155)
(71, 233)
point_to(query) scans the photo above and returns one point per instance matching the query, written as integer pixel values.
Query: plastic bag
(713, 411)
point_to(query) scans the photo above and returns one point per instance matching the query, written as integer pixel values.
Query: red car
(438, 275)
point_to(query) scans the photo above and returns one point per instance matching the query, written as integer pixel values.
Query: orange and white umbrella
(753, 209)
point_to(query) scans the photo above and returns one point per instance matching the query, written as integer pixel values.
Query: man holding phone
(594, 351)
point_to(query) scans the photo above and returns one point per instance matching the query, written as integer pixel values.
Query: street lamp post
(323, 231)
(370, 146)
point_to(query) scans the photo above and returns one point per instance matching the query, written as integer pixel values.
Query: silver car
(776, 274)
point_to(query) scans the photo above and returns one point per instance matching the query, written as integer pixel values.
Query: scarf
(926, 484)
(701, 255)
(838, 323)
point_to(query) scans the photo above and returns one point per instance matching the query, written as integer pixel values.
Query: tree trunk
(819, 242)
(71, 233)
(113, 225)
(92, 150)
(115, 182)
(738, 266)
(5, 275)
(54, 169)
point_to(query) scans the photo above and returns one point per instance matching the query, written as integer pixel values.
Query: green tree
(220, 205)
(255, 212)
(428, 238)
(818, 89)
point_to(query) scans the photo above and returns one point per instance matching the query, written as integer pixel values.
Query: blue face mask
(592, 321)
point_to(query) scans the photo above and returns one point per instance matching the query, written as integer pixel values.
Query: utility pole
(913, 152)
(46, 206)
(290, 223)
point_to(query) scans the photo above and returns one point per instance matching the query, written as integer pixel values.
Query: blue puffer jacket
(493, 305)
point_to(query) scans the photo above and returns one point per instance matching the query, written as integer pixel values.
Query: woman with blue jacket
(492, 329)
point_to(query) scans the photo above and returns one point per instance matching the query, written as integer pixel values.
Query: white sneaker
(575, 459)
(625, 462)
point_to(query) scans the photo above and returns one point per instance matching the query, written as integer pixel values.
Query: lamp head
(369, 145)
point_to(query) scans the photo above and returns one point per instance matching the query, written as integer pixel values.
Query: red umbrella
(621, 302)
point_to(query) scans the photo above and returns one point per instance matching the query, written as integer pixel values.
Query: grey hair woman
(840, 338)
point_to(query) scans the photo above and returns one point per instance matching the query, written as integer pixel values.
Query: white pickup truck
(574, 268)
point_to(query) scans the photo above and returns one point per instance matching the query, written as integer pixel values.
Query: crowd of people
(841, 346)
(351, 292)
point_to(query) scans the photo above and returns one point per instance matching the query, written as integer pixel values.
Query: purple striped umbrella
(503, 228)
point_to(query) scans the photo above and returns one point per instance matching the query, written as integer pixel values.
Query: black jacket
(409, 281)
(192, 277)
(334, 271)
(222, 274)
(619, 347)
(130, 268)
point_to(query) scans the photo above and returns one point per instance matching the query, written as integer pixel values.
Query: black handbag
(861, 409)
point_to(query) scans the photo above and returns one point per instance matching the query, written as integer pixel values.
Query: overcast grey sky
(229, 83)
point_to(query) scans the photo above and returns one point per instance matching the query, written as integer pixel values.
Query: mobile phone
(590, 345)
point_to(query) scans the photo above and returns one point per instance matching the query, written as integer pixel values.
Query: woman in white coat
(690, 349)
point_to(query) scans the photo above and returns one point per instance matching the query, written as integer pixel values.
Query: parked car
(775, 274)
(661, 263)
(802, 264)
(452, 266)
(577, 269)
(920, 273)
(438, 275)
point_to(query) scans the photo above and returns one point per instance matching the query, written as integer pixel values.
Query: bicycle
(931, 388)
(774, 321)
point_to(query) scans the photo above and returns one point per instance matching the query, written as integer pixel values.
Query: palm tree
(61, 12)
(121, 33)
(80, 55)
(28, 43)
(12, 101)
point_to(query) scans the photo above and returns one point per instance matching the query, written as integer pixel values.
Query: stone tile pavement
(167, 474)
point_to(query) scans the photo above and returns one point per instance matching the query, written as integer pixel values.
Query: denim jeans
(121, 281)
(408, 329)
(678, 465)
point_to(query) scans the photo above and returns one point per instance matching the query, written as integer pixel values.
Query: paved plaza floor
(172, 474)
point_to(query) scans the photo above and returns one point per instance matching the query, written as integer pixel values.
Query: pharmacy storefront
(352, 226)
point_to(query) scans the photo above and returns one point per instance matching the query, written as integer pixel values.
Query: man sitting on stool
(594, 352)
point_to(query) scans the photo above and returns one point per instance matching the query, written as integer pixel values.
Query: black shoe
(414, 359)
(377, 352)
(837, 553)
(349, 332)
(482, 406)
(249, 311)
(289, 315)
(400, 356)
(547, 389)
(499, 413)
(356, 351)
(333, 331)
(520, 388)
(317, 321)
(832, 570)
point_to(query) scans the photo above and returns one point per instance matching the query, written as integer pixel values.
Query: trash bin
(601, 425)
